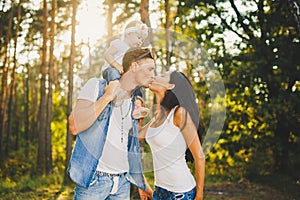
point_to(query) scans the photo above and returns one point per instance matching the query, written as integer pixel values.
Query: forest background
(49, 48)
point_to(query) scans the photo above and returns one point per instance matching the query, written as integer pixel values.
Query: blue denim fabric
(101, 187)
(138, 92)
(163, 194)
(111, 74)
(89, 146)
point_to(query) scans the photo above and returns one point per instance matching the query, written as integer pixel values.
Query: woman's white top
(168, 148)
(114, 158)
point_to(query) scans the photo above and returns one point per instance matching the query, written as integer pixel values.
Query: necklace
(122, 121)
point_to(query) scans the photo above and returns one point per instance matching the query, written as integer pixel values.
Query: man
(106, 157)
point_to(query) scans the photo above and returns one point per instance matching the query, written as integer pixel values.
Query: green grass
(26, 187)
(50, 188)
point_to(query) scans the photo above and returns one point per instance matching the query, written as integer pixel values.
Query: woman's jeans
(163, 194)
(104, 187)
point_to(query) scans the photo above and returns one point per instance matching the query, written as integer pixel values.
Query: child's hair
(136, 26)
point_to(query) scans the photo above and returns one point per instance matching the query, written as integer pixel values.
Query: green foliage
(260, 70)
(59, 131)
(261, 73)
(19, 165)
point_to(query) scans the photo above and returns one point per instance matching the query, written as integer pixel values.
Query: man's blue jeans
(163, 194)
(104, 188)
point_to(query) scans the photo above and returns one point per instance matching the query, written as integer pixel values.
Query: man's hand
(86, 112)
(72, 124)
(146, 195)
(111, 89)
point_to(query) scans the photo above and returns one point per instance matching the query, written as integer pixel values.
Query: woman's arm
(183, 120)
(142, 130)
(86, 112)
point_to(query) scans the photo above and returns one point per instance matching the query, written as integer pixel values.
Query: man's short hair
(134, 55)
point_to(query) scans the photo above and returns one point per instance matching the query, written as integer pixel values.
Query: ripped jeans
(163, 194)
(104, 187)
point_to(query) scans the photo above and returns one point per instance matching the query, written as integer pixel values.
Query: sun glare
(91, 21)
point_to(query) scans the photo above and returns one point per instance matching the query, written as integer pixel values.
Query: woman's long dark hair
(183, 95)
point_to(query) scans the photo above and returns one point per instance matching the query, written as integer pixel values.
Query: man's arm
(86, 112)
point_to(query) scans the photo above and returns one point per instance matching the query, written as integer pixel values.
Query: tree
(5, 69)
(261, 74)
(144, 12)
(167, 35)
(12, 86)
(42, 106)
(114, 23)
(50, 90)
(69, 137)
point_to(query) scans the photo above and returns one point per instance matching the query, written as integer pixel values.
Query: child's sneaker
(140, 112)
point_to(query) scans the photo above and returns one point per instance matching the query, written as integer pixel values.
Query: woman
(175, 128)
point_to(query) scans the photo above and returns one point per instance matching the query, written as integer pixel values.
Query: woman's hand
(199, 195)
(147, 194)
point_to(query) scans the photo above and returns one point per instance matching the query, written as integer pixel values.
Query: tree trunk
(280, 149)
(109, 19)
(26, 110)
(42, 108)
(4, 90)
(70, 90)
(167, 37)
(17, 120)
(144, 12)
(50, 91)
(12, 84)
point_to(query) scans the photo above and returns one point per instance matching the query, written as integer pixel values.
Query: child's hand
(120, 69)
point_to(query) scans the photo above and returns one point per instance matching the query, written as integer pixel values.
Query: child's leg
(111, 74)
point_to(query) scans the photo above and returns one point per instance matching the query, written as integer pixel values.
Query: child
(134, 35)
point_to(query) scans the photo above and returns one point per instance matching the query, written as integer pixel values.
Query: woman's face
(162, 83)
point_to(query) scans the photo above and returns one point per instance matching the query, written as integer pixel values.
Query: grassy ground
(241, 190)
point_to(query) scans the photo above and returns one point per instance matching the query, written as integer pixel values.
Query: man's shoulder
(92, 88)
(95, 82)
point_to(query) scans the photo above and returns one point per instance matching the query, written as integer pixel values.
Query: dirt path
(244, 190)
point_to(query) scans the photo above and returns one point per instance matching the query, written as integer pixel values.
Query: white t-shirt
(114, 157)
(122, 48)
(168, 148)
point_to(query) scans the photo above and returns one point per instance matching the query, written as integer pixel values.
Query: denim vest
(89, 146)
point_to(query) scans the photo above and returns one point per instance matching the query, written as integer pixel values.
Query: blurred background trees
(255, 45)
